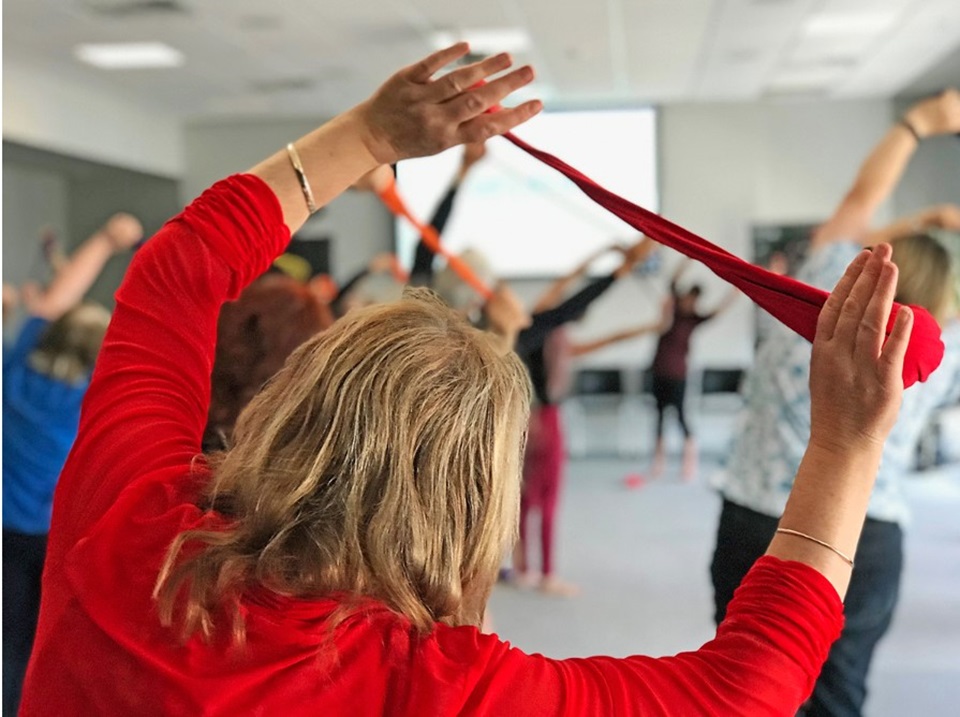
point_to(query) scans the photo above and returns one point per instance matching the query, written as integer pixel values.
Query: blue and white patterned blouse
(774, 425)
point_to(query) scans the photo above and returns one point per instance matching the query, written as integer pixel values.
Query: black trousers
(744, 535)
(22, 569)
(670, 392)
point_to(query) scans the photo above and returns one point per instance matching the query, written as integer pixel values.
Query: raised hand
(123, 230)
(414, 115)
(856, 383)
(936, 115)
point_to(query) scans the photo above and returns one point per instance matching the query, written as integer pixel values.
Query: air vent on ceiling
(127, 8)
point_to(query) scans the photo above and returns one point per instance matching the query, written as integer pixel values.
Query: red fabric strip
(792, 302)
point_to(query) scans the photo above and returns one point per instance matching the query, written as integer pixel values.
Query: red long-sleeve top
(130, 486)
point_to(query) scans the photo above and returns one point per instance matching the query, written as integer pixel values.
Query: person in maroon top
(337, 559)
(669, 370)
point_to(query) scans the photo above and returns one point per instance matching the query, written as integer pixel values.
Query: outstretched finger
(423, 70)
(853, 309)
(830, 313)
(469, 104)
(460, 80)
(873, 326)
(894, 350)
(487, 125)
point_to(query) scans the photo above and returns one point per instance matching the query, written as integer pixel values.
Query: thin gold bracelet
(301, 177)
(846, 558)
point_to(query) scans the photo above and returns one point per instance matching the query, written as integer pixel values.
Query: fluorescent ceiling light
(485, 41)
(129, 55)
(870, 22)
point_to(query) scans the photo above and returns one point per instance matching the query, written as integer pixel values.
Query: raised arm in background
(881, 171)
(533, 337)
(558, 289)
(943, 216)
(422, 271)
(597, 344)
(76, 275)
(725, 303)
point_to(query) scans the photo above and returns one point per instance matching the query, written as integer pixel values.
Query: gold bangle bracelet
(843, 556)
(301, 177)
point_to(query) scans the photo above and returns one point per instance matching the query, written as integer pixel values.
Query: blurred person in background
(46, 372)
(775, 424)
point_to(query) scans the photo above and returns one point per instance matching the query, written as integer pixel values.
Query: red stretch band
(792, 302)
(392, 200)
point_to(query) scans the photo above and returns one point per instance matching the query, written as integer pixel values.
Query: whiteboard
(526, 218)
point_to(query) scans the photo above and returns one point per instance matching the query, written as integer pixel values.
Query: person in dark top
(545, 350)
(669, 368)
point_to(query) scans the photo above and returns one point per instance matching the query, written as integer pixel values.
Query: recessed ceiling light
(869, 22)
(485, 41)
(129, 55)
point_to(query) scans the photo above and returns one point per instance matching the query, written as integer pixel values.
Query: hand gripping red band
(792, 302)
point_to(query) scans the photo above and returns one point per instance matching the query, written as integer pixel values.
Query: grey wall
(357, 223)
(75, 197)
(33, 197)
(933, 175)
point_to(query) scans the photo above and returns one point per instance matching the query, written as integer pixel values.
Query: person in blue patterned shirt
(774, 426)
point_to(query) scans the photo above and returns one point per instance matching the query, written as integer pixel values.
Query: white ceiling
(251, 57)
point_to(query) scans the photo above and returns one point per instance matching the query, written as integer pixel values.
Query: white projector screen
(527, 219)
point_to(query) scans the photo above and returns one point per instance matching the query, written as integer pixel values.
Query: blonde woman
(338, 558)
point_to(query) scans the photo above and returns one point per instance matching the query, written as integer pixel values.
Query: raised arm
(725, 303)
(76, 275)
(770, 648)
(626, 335)
(147, 404)
(881, 171)
(556, 291)
(855, 390)
(944, 216)
(532, 337)
(422, 270)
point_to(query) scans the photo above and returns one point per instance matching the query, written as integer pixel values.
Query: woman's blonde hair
(68, 348)
(383, 461)
(926, 275)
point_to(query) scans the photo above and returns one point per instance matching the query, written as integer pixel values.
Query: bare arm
(152, 381)
(591, 346)
(337, 154)
(726, 302)
(856, 389)
(556, 291)
(944, 216)
(75, 277)
(884, 166)
(635, 254)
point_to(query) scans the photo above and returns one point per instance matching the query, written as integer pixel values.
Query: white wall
(358, 223)
(59, 114)
(726, 167)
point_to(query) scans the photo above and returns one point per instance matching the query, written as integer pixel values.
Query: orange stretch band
(392, 201)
